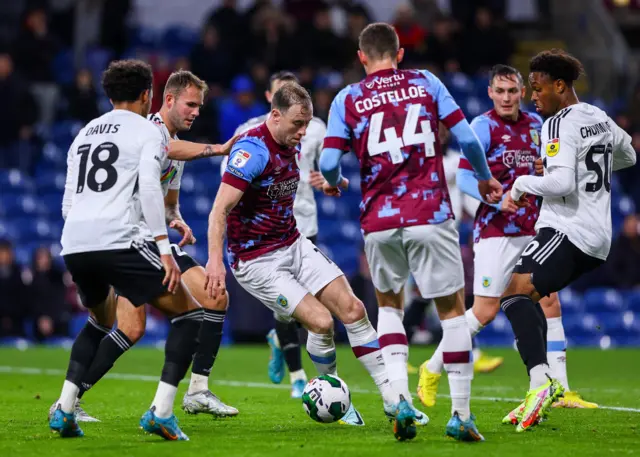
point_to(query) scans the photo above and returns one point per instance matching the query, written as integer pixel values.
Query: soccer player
(183, 96)
(115, 168)
(283, 339)
(581, 146)
(275, 263)
(390, 121)
(511, 140)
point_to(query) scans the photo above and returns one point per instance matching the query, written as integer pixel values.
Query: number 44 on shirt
(410, 136)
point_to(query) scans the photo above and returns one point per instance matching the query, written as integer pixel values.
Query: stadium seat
(602, 299)
(50, 181)
(13, 180)
(64, 67)
(144, 39)
(179, 40)
(632, 300)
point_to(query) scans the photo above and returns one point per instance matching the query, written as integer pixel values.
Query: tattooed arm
(187, 150)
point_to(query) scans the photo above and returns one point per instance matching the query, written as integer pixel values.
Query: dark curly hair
(126, 80)
(558, 64)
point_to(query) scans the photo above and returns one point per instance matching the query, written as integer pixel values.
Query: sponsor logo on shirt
(535, 137)
(283, 189)
(240, 159)
(517, 158)
(553, 147)
(384, 82)
(282, 301)
(235, 172)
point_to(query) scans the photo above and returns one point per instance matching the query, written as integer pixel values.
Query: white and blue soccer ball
(326, 398)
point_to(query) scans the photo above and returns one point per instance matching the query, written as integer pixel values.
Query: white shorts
(493, 262)
(431, 253)
(280, 279)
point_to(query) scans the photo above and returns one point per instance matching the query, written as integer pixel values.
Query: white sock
(395, 348)
(68, 397)
(322, 351)
(297, 375)
(163, 401)
(365, 346)
(456, 355)
(435, 364)
(539, 375)
(557, 351)
(198, 383)
(472, 321)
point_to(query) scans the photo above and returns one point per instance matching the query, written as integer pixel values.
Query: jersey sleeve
(338, 132)
(177, 179)
(247, 161)
(480, 126)
(448, 110)
(154, 152)
(70, 181)
(321, 133)
(562, 144)
(624, 155)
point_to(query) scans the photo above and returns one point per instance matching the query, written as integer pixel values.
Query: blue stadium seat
(144, 39)
(18, 205)
(64, 67)
(96, 60)
(632, 300)
(196, 206)
(571, 301)
(179, 40)
(52, 202)
(602, 299)
(50, 181)
(15, 181)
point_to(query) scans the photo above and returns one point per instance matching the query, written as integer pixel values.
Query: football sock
(365, 346)
(322, 352)
(557, 351)
(178, 353)
(209, 338)
(395, 348)
(289, 344)
(111, 348)
(456, 356)
(83, 352)
(530, 333)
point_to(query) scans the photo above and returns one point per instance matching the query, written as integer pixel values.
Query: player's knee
(322, 323)
(353, 311)
(486, 309)
(520, 284)
(216, 304)
(133, 330)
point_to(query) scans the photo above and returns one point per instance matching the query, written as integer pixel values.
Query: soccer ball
(326, 398)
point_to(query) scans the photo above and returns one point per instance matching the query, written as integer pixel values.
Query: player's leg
(98, 297)
(284, 341)
(436, 264)
(198, 398)
(557, 353)
(389, 268)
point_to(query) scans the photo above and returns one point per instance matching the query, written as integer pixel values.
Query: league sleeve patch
(240, 159)
(553, 147)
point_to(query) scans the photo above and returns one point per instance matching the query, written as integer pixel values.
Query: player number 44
(410, 136)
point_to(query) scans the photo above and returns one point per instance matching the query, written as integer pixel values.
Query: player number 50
(410, 136)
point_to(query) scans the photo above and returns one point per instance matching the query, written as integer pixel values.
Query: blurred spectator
(272, 41)
(13, 308)
(48, 306)
(211, 61)
(322, 98)
(238, 108)
(34, 52)
(318, 45)
(113, 27)
(81, 97)
(232, 26)
(623, 264)
(443, 47)
(18, 115)
(485, 43)
(412, 35)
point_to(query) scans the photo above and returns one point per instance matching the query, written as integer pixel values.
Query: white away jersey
(304, 206)
(584, 138)
(171, 169)
(101, 205)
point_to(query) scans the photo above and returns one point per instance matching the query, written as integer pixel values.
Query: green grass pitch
(270, 423)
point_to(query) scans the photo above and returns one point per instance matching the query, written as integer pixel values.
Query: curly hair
(558, 64)
(126, 80)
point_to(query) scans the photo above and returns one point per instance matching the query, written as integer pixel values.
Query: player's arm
(187, 150)
(452, 117)
(70, 181)
(336, 142)
(466, 178)
(624, 155)
(559, 179)
(174, 219)
(247, 161)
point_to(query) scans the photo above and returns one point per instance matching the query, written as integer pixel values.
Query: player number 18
(410, 136)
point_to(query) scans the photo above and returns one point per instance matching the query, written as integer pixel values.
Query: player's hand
(171, 272)
(335, 191)
(316, 180)
(507, 205)
(183, 229)
(538, 167)
(224, 149)
(523, 202)
(490, 190)
(215, 275)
